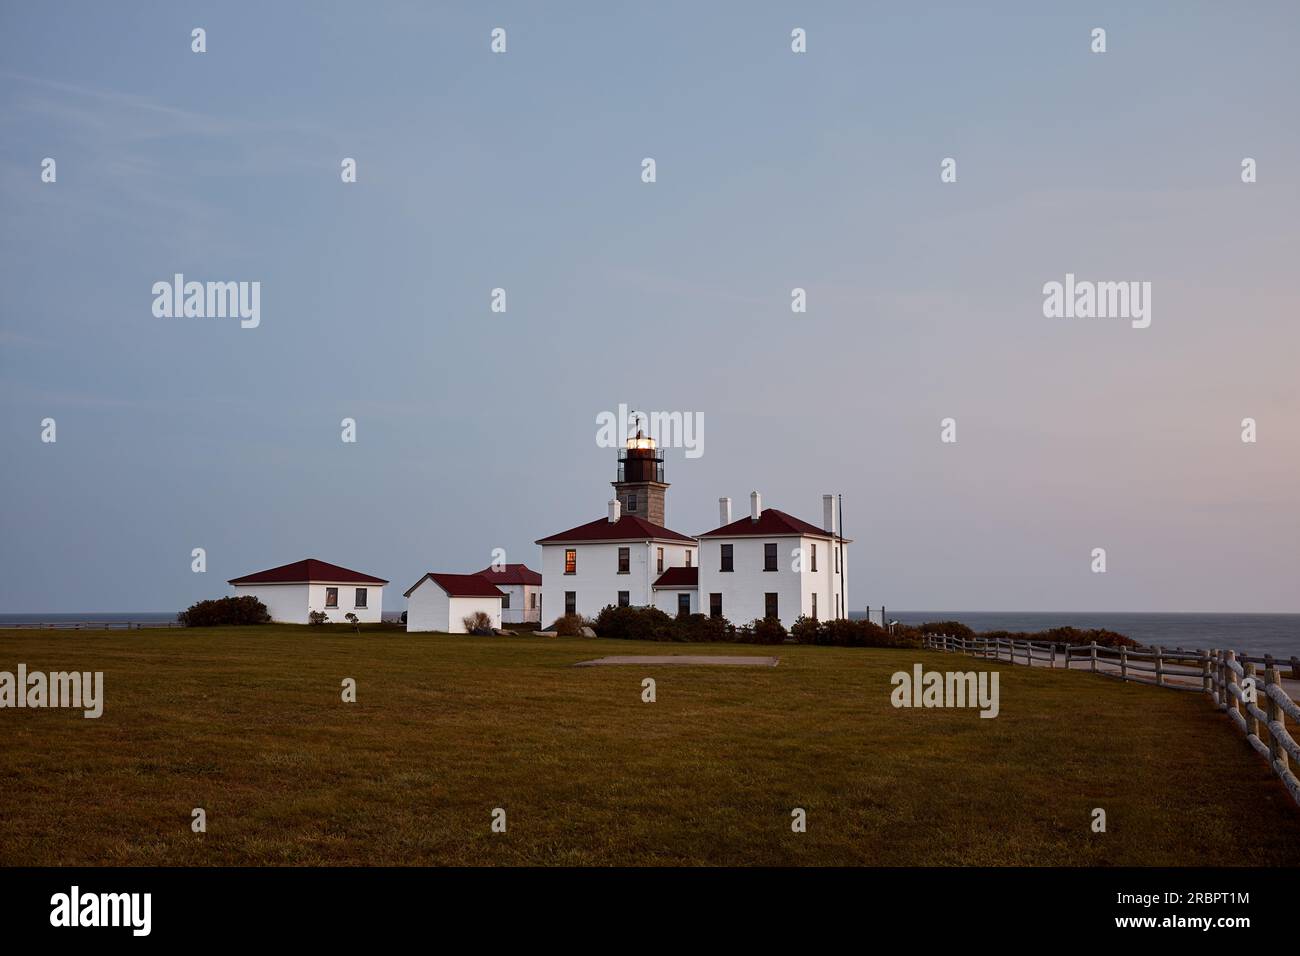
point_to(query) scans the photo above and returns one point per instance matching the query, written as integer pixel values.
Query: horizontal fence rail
(1231, 681)
(90, 625)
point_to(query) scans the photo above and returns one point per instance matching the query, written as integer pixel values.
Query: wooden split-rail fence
(1231, 681)
(90, 625)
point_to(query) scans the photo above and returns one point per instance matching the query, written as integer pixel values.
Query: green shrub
(805, 630)
(702, 629)
(763, 630)
(318, 617)
(635, 624)
(570, 625)
(227, 611)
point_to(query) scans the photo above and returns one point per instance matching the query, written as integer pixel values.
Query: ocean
(1255, 634)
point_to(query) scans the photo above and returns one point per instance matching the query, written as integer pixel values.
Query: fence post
(1123, 662)
(1094, 657)
(1160, 668)
(1295, 672)
(1052, 664)
(1277, 755)
(1205, 671)
(1252, 724)
(1230, 678)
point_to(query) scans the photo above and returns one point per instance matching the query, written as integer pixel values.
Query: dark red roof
(679, 578)
(460, 585)
(771, 523)
(308, 571)
(626, 528)
(512, 574)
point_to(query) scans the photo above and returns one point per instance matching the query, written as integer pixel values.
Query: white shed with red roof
(441, 602)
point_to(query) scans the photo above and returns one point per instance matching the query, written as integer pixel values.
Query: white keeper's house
(292, 591)
(766, 564)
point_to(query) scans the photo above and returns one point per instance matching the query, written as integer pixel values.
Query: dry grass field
(248, 723)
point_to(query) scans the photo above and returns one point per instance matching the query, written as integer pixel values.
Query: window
(814, 562)
(361, 598)
(661, 560)
(726, 558)
(837, 605)
(631, 503)
(571, 561)
(570, 602)
(715, 605)
(534, 601)
(624, 558)
(624, 598)
(331, 597)
(769, 604)
(814, 608)
(769, 556)
(688, 557)
(505, 601)
(683, 605)
(837, 562)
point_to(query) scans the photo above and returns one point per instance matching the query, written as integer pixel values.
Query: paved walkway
(717, 661)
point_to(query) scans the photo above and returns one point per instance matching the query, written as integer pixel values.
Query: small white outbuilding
(441, 602)
(292, 591)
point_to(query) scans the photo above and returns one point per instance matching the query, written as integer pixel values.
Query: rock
(546, 633)
(586, 632)
(502, 632)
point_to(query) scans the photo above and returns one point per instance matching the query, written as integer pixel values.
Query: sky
(775, 170)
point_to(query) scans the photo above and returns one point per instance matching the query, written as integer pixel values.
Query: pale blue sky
(775, 170)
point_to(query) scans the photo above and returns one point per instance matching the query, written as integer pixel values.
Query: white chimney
(828, 514)
(724, 511)
(755, 505)
(615, 510)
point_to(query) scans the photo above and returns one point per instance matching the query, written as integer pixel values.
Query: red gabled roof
(512, 574)
(459, 585)
(626, 528)
(679, 578)
(308, 571)
(771, 523)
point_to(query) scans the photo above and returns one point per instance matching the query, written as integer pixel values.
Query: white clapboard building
(441, 602)
(291, 592)
(767, 564)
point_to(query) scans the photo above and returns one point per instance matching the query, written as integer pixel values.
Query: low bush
(763, 630)
(227, 611)
(636, 624)
(1063, 635)
(477, 623)
(570, 625)
(318, 617)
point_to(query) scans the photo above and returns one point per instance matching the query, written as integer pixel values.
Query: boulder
(547, 633)
(586, 632)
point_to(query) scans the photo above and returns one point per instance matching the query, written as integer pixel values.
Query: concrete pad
(714, 660)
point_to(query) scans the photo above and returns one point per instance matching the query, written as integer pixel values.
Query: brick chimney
(615, 510)
(724, 511)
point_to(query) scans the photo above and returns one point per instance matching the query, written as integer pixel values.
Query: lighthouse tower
(640, 485)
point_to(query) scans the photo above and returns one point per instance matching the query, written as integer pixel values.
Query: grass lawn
(248, 723)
